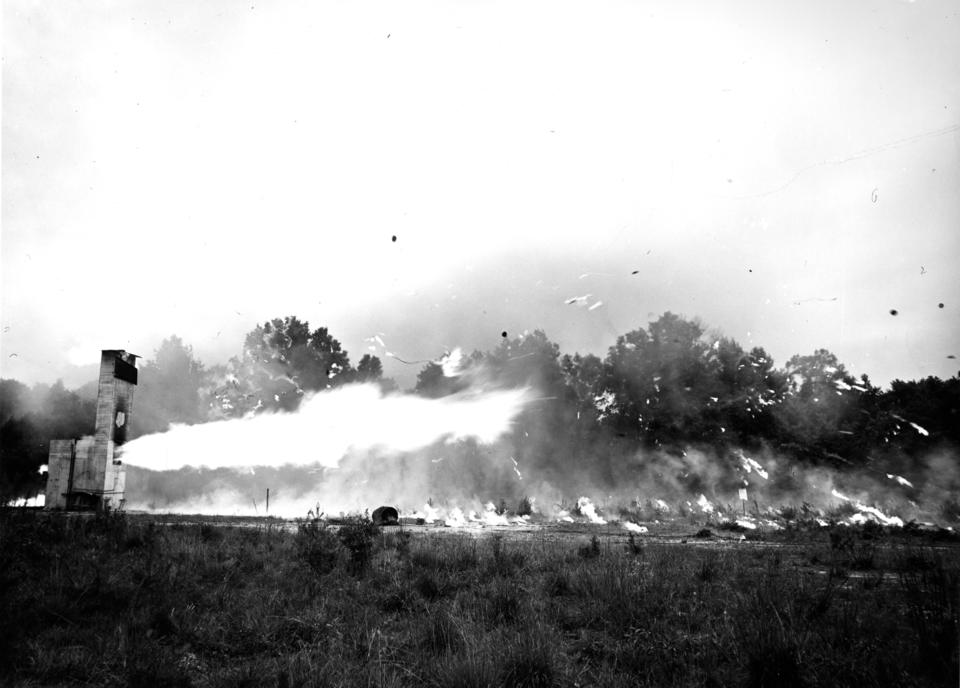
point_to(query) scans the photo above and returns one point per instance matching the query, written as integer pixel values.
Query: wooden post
(267, 511)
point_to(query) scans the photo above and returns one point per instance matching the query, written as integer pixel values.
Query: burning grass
(117, 600)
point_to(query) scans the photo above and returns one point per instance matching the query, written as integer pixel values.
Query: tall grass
(115, 601)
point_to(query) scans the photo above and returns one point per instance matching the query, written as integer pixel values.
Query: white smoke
(586, 507)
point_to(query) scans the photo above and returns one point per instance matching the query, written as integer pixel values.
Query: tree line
(669, 386)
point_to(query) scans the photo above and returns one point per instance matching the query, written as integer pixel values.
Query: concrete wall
(58, 473)
(87, 471)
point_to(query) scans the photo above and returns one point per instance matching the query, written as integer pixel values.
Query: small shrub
(709, 570)
(525, 507)
(731, 526)
(591, 551)
(841, 540)
(788, 512)
(358, 535)
(318, 545)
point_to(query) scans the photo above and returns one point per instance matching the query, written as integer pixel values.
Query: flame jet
(330, 424)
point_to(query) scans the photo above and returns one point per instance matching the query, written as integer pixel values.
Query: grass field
(117, 600)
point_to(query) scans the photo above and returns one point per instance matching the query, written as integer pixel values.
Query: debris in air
(893, 311)
(750, 465)
(797, 303)
(900, 479)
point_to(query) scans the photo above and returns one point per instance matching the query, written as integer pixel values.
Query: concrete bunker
(86, 473)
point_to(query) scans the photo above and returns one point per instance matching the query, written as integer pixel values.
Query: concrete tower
(87, 473)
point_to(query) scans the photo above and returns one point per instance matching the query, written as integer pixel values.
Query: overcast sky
(785, 171)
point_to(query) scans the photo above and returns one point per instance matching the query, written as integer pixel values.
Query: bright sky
(788, 172)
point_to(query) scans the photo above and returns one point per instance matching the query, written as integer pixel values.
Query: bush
(788, 512)
(591, 551)
(357, 535)
(318, 545)
(525, 507)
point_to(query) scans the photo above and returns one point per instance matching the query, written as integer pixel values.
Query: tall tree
(369, 369)
(281, 361)
(817, 407)
(169, 389)
(660, 380)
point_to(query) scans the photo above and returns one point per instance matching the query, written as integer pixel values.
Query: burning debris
(900, 479)
(455, 519)
(586, 508)
(919, 429)
(704, 504)
(634, 528)
(750, 465)
(867, 513)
